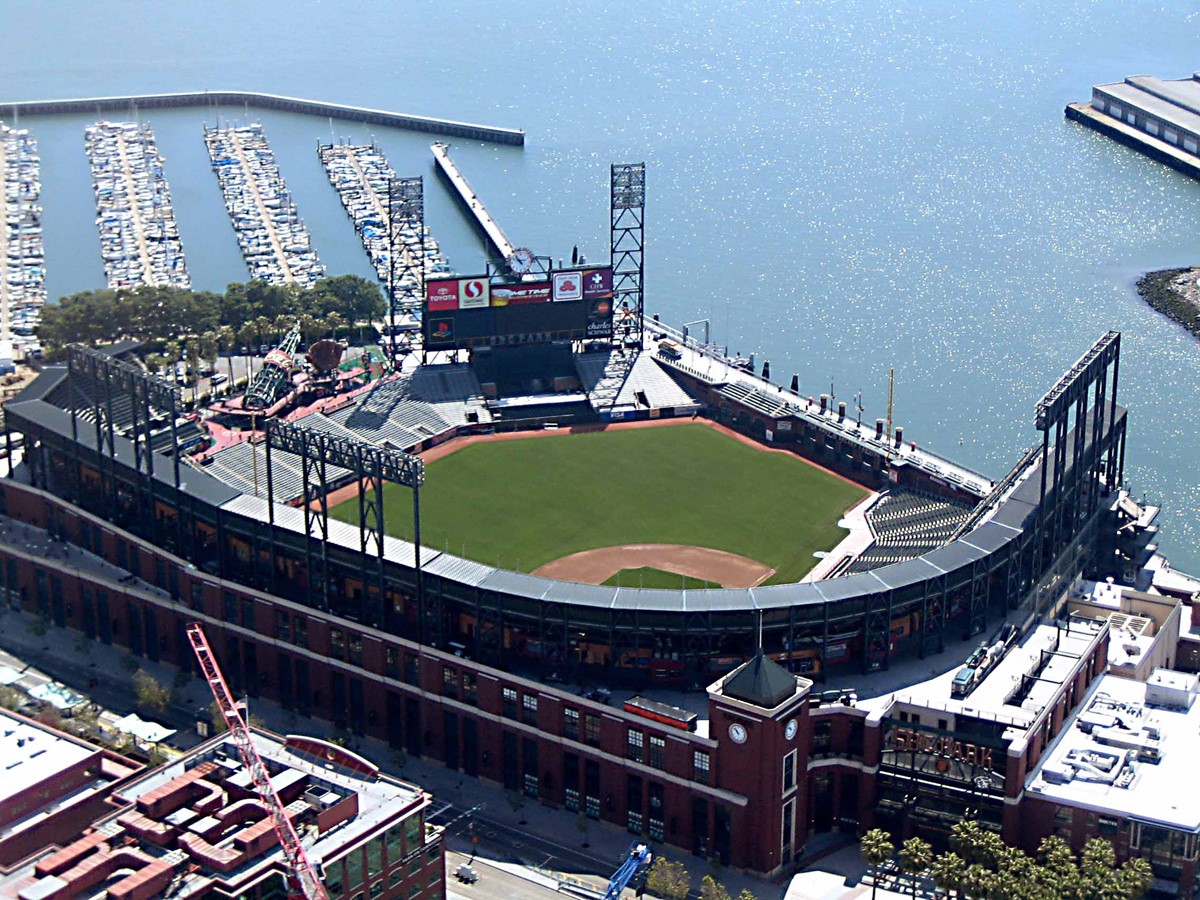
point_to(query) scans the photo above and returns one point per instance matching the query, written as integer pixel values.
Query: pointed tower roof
(760, 681)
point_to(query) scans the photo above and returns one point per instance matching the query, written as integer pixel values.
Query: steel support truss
(406, 271)
(370, 465)
(627, 215)
(1077, 418)
(112, 383)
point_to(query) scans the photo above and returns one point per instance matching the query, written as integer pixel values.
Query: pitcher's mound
(718, 566)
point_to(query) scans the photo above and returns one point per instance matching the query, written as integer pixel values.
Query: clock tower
(758, 715)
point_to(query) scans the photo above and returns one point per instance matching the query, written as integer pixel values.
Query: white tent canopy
(150, 732)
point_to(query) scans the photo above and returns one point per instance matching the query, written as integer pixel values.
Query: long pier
(123, 104)
(1134, 138)
(491, 228)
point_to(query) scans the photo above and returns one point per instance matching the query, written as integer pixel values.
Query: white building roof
(30, 755)
(1103, 759)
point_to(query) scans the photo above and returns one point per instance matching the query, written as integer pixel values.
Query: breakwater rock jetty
(1175, 293)
(15, 109)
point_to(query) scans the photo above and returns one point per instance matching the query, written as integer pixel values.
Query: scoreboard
(478, 311)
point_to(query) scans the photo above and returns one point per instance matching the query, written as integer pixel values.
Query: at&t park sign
(907, 740)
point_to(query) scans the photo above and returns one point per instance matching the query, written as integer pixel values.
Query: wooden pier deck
(139, 226)
(489, 226)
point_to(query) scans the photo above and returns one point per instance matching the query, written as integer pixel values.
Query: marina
(139, 238)
(274, 241)
(22, 256)
(362, 178)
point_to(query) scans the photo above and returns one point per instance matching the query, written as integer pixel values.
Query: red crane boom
(302, 877)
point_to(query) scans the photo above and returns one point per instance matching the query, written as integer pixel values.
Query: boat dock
(139, 238)
(362, 178)
(490, 227)
(258, 100)
(22, 255)
(274, 241)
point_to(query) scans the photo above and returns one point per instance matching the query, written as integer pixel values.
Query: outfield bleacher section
(906, 524)
(616, 380)
(244, 466)
(83, 398)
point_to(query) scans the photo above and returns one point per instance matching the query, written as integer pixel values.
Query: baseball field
(522, 504)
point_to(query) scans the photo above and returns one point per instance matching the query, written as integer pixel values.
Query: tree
(947, 871)
(877, 848)
(977, 881)
(915, 857)
(668, 879)
(711, 889)
(967, 840)
(356, 298)
(746, 895)
(1135, 878)
(151, 695)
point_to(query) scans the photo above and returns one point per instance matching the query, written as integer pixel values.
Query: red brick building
(196, 828)
(51, 781)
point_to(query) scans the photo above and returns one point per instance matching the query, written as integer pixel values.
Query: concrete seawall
(469, 130)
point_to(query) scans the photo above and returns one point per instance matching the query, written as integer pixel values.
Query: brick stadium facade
(458, 662)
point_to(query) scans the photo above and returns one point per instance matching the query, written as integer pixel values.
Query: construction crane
(301, 876)
(639, 855)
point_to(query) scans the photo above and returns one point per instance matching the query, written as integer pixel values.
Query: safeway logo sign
(474, 293)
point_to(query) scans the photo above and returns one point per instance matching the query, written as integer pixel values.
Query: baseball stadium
(558, 489)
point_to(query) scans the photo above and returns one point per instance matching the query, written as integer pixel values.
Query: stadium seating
(907, 523)
(614, 380)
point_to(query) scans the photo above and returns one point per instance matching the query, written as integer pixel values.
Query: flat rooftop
(197, 824)
(1103, 759)
(1048, 655)
(31, 755)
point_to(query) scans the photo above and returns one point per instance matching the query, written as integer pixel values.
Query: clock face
(521, 261)
(737, 732)
(789, 730)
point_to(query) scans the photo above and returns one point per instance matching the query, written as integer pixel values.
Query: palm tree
(334, 321)
(915, 857)
(877, 848)
(977, 882)
(227, 340)
(1135, 878)
(947, 872)
(966, 840)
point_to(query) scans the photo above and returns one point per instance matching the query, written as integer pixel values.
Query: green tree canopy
(161, 314)
(668, 879)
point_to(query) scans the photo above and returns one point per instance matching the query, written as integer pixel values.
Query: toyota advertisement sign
(458, 293)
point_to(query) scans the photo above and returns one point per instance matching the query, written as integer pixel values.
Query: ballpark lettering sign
(906, 740)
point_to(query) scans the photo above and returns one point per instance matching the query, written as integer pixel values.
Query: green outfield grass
(648, 577)
(519, 504)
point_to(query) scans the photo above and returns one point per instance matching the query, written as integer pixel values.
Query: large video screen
(570, 304)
